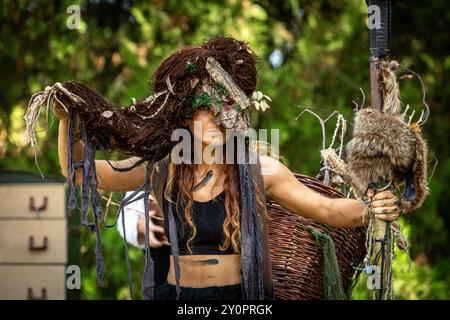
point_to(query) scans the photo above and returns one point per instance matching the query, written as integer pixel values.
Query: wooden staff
(379, 16)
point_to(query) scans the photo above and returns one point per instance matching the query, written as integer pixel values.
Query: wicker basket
(296, 257)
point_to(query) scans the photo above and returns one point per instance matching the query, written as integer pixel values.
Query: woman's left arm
(282, 186)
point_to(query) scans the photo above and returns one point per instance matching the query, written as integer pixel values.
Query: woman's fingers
(152, 213)
(385, 202)
(386, 213)
(155, 228)
(154, 242)
(386, 210)
(386, 217)
(59, 110)
(384, 205)
(164, 240)
(386, 194)
(156, 234)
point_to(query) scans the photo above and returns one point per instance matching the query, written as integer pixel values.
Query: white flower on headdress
(259, 101)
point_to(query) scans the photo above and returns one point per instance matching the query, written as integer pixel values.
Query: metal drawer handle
(41, 208)
(34, 247)
(43, 296)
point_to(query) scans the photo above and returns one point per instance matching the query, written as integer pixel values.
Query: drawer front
(32, 200)
(33, 241)
(32, 282)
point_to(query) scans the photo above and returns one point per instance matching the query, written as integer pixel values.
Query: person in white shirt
(135, 225)
(135, 234)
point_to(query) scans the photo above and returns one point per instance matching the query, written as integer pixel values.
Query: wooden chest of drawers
(33, 237)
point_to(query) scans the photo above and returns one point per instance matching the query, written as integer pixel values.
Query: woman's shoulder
(269, 165)
(273, 171)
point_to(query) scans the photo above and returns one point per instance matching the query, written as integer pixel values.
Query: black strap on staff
(379, 24)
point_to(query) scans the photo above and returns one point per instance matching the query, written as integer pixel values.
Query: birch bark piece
(218, 74)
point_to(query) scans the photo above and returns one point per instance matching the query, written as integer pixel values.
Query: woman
(208, 197)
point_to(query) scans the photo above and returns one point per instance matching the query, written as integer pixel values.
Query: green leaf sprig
(204, 99)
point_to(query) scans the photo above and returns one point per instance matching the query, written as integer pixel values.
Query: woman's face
(205, 129)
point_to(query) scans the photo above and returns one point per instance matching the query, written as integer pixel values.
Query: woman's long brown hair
(184, 175)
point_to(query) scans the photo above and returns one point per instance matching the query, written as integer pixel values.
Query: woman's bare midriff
(201, 271)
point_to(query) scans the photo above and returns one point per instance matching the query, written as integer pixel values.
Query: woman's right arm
(108, 178)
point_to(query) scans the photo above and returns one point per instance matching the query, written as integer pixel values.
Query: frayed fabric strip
(251, 258)
(148, 278)
(173, 235)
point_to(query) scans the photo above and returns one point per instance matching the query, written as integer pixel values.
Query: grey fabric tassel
(86, 186)
(99, 258)
(71, 170)
(90, 194)
(89, 190)
(148, 281)
(173, 236)
(251, 245)
(148, 278)
(126, 201)
(127, 256)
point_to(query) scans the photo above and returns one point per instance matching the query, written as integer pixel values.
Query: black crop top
(208, 218)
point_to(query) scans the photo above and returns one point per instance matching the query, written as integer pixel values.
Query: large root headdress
(221, 69)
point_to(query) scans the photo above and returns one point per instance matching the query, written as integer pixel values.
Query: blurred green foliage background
(324, 47)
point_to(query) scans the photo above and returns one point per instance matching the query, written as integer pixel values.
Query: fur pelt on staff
(385, 148)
